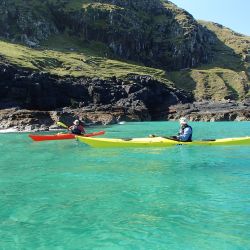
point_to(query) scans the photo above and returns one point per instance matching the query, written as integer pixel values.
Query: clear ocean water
(66, 195)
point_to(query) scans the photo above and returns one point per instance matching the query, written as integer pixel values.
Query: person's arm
(186, 134)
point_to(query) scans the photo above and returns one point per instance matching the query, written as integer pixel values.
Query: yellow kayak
(158, 142)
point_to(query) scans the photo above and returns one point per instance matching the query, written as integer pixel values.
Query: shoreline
(21, 120)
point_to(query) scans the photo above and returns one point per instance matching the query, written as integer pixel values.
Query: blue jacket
(185, 133)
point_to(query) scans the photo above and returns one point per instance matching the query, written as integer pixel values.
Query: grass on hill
(62, 56)
(214, 83)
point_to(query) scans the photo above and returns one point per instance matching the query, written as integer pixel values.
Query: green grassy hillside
(61, 55)
(227, 76)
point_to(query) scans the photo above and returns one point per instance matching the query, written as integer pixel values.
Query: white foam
(8, 130)
(16, 130)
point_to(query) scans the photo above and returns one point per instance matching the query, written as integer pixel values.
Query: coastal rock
(28, 120)
(211, 111)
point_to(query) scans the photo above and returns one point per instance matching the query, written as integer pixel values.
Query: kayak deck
(52, 137)
(158, 142)
(61, 136)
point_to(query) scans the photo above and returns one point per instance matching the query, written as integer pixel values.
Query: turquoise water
(65, 195)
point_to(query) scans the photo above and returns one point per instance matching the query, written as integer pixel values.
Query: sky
(234, 14)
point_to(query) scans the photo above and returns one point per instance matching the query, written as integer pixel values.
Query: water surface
(66, 195)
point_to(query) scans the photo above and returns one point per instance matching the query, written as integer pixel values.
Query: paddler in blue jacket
(186, 131)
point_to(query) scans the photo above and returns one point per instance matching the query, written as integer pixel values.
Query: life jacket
(77, 129)
(190, 136)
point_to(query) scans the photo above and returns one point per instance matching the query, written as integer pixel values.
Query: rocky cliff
(134, 59)
(153, 32)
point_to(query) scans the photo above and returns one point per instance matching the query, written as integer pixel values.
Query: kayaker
(77, 128)
(186, 131)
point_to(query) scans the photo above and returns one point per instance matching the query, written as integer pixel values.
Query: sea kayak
(159, 142)
(61, 136)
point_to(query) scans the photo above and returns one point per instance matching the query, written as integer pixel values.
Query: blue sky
(234, 14)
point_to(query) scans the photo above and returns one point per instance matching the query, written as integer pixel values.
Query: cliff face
(25, 21)
(155, 33)
(140, 95)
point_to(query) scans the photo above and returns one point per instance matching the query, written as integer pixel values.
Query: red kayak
(61, 136)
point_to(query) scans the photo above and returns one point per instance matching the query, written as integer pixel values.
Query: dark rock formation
(42, 91)
(137, 98)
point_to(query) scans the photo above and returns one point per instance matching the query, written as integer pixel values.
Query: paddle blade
(62, 125)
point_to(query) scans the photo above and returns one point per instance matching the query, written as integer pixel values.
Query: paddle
(62, 125)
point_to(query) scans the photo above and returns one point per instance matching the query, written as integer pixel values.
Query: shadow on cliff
(223, 58)
(222, 55)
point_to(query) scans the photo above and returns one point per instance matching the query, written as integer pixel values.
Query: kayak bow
(159, 142)
(61, 136)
